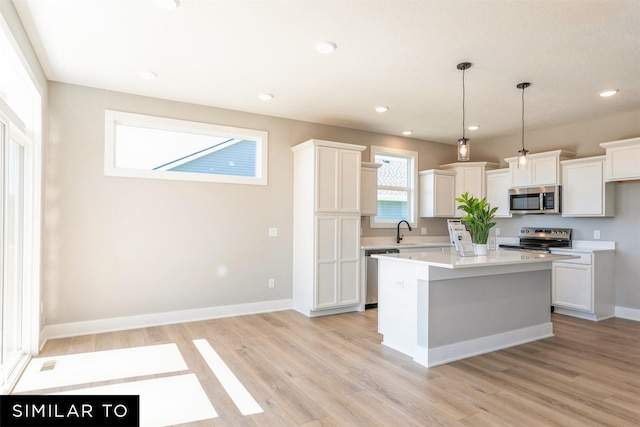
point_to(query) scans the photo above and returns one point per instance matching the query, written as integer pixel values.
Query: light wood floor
(333, 371)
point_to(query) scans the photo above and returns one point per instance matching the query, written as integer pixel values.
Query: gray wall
(123, 246)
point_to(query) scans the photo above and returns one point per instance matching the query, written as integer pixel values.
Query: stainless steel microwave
(535, 200)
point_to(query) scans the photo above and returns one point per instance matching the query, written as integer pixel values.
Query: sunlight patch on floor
(243, 400)
(83, 368)
(164, 401)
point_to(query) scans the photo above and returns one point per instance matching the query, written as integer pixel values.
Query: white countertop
(451, 259)
(589, 246)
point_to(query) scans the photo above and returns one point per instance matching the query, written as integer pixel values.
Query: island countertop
(449, 258)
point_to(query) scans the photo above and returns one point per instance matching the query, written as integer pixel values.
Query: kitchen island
(437, 307)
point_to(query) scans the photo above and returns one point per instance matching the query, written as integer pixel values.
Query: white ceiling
(402, 54)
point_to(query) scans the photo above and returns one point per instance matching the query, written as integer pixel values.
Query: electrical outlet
(497, 231)
(423, 231)
(596, 234)
(273, 232)
(272, 283)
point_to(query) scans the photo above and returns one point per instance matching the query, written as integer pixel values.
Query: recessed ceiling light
(609, 92)
(382, 109)
(473, 127)
(147, 75)
(265, 96)
(407, 132)
(326, 47)
(167, 4)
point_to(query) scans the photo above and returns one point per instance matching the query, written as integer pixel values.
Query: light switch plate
(273, 232)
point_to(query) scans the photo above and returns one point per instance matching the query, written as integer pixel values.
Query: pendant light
(463, 143)
(523, 155)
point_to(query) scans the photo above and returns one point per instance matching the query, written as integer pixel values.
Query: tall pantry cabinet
(326, 227)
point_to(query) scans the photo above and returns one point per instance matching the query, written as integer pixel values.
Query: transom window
(142, 146)
(397, 178)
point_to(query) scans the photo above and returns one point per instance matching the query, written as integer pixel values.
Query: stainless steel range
(541, 239)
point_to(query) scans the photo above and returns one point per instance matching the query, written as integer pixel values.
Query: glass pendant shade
(463, 150)
(523, 159)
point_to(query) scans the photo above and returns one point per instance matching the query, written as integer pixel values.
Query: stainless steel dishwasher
(372, 274)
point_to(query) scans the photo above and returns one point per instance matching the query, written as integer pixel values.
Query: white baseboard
(462, 350)
(63, 330)
(628, 313)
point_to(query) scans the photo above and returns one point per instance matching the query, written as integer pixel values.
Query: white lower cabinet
(583, 287)
(573, 286)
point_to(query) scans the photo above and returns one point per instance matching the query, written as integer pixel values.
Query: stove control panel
(546, 233)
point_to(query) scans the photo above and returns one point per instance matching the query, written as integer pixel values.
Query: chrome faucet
(398, 236)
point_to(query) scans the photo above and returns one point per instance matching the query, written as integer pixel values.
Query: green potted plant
(479, 216)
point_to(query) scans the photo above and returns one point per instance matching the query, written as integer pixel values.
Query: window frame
(114, 118)
(412, 185)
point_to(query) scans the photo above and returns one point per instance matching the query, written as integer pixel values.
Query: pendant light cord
(523, 87)
(463, 112)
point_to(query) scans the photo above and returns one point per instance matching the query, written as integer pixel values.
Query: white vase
(480, 249)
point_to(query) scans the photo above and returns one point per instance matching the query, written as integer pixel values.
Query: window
(397, 182)
(142, 146)
(20, 211)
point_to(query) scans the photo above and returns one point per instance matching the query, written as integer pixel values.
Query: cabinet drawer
(585, 258)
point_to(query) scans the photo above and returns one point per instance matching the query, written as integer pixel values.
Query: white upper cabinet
(498, 183)
(470, 177)
(338, 180)
(622, 159)
(369, 189)
(437, 193)
(543, 169)
(584, 191)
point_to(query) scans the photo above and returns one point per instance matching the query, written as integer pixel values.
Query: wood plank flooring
(333, 371)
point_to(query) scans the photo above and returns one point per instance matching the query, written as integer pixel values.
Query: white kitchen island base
(439, 307)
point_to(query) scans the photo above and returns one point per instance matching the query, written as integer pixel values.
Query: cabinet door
(349, 181)
(337, 180)
(437, 190)
(582, 189)
(349, 256)
(326, 286)
(544, 171)
(519, 177)
(572, 286)
(469, 180)
(338, 261)
(369, 191)
(443, 196)
(623, 162)
(498, 191)
(327, 167)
